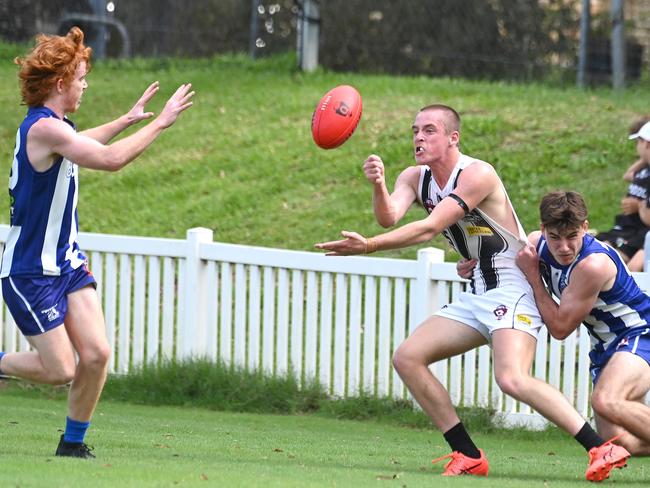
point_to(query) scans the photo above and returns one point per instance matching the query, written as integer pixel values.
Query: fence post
(426, 301)
(618, 45)
(308, 36)
(192, 333)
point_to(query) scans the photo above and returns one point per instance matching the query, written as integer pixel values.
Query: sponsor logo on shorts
(622, 343)
(523, 319)
(479, 231)
(500, 312)
(52, 313)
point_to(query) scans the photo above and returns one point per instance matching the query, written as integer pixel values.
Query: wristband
(371, 245)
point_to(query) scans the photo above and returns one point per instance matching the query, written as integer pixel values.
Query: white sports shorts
(506, 307)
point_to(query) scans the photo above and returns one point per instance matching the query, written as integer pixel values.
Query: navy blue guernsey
(43, 235)
(617, 311)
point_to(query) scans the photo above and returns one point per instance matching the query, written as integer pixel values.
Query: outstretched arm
(446, 213)
(475, 186)
(52, 136)
(104, 133)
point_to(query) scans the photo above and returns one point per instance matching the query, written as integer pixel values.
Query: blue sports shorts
(39, 304)
(636, 341)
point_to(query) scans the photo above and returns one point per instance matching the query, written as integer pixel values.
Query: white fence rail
(334, 319)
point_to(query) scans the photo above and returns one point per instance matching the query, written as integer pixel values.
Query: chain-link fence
(488, 39)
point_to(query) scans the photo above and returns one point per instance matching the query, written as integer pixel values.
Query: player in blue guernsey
(596, 289)
(45, 282)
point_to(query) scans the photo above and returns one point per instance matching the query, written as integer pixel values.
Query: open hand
(177, 103)
(352, 244)
(137, 113)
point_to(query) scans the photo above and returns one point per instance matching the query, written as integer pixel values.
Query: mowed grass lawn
(175, 446)
(242, 161)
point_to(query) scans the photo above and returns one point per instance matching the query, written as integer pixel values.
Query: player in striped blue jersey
(45, 281)
(596, 289)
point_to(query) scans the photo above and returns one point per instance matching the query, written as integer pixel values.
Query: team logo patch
(52, 313)
(479, 231)
(523, 319)
(343, 109)
(500, 312)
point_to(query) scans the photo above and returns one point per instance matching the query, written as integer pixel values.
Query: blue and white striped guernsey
(43, 235)
(616, 311)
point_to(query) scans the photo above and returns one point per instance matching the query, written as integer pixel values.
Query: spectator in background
(628, 234)
(45, 281)
(642, 137)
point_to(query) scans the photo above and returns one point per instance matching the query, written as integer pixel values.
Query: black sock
(459, 440)
(588, 437)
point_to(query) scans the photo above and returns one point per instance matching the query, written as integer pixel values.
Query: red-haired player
(45, 282)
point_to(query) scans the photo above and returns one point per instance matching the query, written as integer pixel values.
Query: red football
(336, 116)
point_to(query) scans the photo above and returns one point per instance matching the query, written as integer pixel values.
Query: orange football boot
(604, 458)
(461, 464)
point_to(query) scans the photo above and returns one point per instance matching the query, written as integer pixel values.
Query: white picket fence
(334, 319)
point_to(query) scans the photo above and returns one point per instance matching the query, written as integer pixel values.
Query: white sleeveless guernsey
(477, 236)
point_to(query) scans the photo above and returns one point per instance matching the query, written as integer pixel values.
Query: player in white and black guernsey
(595, 288)
(45, 281)
(477, 235)
(465, 200)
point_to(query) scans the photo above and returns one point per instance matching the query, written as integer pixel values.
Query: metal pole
(252, 46)
(99, 44)
(309, 35)
(618, 45)
(585, 22)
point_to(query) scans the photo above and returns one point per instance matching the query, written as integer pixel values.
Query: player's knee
(63, 374)
(399, 360)
(403, 362)
(58, 369)
(96, 357)
(605, 404)
(510, 383)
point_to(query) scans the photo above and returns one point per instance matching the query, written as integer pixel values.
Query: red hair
(53, 58)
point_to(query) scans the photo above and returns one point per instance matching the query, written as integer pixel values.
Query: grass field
(141, 446)
(242, 162)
